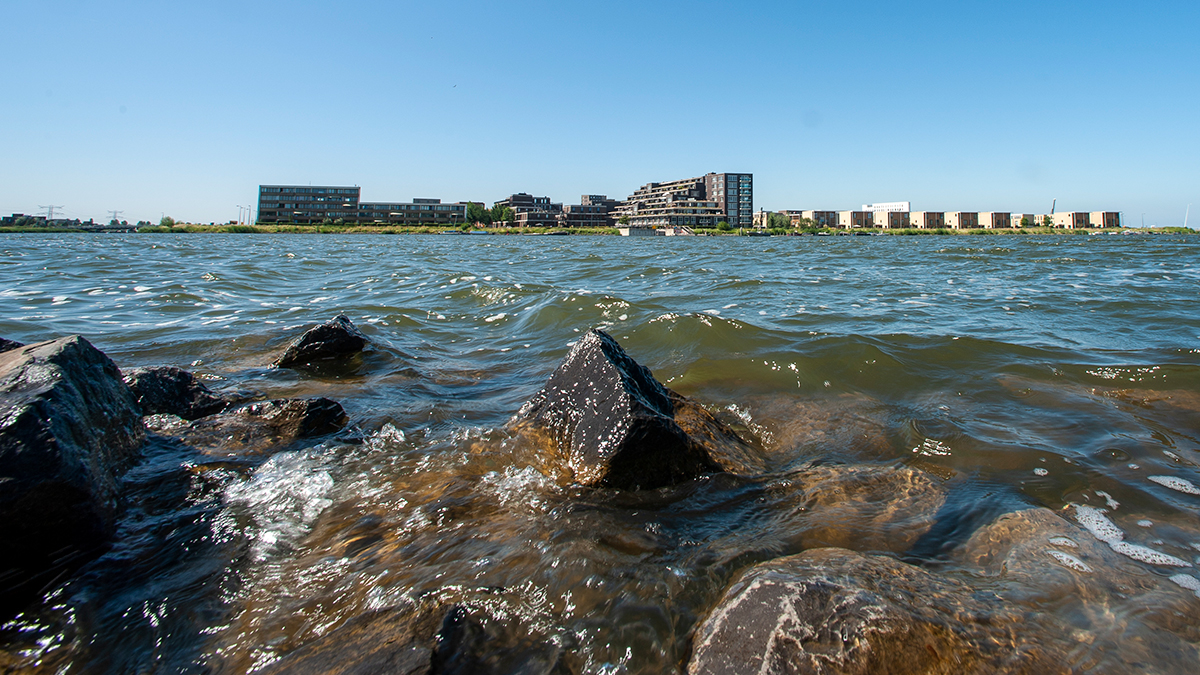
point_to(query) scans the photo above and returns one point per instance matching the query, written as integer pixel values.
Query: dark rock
(610, 423)
(9, 345)
(441, 640)
(834, 611)
(173, 391)
(68, 428)
(334, 338)
(260, 427)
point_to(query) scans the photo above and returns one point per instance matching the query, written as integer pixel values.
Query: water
(905, 392)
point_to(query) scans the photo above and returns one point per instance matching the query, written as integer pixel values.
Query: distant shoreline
(393, 230)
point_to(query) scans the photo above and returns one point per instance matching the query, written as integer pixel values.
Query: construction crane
(1053, 203)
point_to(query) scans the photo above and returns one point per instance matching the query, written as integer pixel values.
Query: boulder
(260, 427)
(69, 426)
(173, 391)
(9, 345)
(610, 423)
(440, 640)
(335, 338)
(835, 611)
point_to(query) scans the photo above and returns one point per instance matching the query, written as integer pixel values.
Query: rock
(834, 611)
(260, 427)
(443, 640)
(334, 338)
(610, 423)
(9, 345)
(173, 391)
(68, 428)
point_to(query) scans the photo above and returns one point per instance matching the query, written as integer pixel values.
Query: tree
(724, 226)
(1025, 222)
(477, 214)
(778, 221)
(1047, 221)
(167, 221)
(501, 213)
(623, 220)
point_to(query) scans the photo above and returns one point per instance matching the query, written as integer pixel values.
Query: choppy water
(1005, 372)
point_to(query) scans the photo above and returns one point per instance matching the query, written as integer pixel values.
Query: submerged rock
(834, 611)
(334, 338)
(9, 345)
(173, 391)
(610, 423)
(444, 640)
(260, 427)
(68, 428)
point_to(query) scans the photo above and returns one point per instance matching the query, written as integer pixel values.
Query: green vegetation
(623, 221)
(478, 215)
(724, 226)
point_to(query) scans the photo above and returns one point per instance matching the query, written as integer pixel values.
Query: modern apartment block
(888, 207)
(927, 220)
(523, 202)
(1018, 220)
(309, 204)
(994, 220)
(678, 203)
(530, 211)
(1104, 219)
(962, 220)
(821, 218)
(734, 194)
(1071, 220)
(890, 220)
(848, 220)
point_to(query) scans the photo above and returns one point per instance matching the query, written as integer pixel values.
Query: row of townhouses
(899, 215)
(687, 203)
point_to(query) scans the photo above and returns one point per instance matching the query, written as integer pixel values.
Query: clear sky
(184, 108)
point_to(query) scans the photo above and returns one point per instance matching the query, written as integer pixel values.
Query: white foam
(1145, 523)
(496, 317)
(283, 498)
(1040, 472)
(1178, 484)
(1066, 542)
(386, 436)
(1148, 555)
(1108, 499)
(1189, 582)
(1068, 560)
(1098, 524)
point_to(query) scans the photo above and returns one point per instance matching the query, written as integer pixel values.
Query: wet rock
(9, 345)
(610, 423)
(173, 391)
(834, 611)
(68, 428)
(863, 507)
(335, 338)
(260, 427)
(446, 640)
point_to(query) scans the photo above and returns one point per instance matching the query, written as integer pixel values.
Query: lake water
(1008, 371)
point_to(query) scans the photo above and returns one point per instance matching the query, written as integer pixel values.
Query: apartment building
(927, 220)
(1104, 219)
(890, 220)
(416, 212)
(849, 220)
(994, 220)
(678, 203)
(888, 207)
(307, 204)
(734, 194)
(1071, 220)
(821, 218)
(315, 204)
(962, 220)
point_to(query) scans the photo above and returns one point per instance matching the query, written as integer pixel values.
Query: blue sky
(185, 108)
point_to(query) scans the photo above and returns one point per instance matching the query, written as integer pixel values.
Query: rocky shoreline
(72, 423)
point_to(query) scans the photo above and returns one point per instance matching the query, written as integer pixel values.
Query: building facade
(1104, 219)
(1071, 220)
(848, 220)
(927, 220)
(994, 220)
(962, 220)
(890, 220)
(821, 218)
(315, 204)
(679, 203)
(734, 194)
(888, 207)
